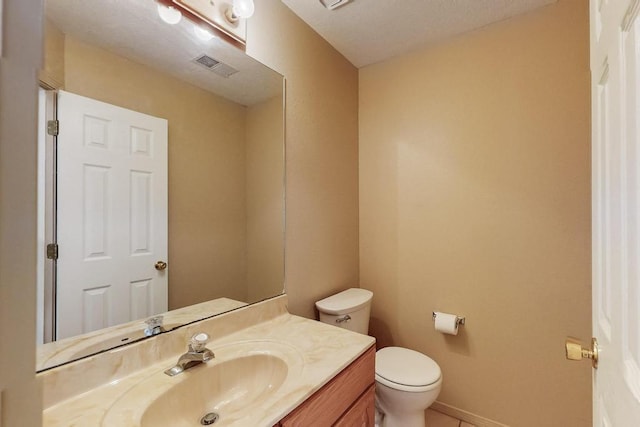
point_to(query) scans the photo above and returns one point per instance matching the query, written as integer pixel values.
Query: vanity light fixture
(169, 14)
(334, 4)
(243, 8)
(220, 18)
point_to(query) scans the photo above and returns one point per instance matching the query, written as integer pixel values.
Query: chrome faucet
(197, 353)
(154, 326)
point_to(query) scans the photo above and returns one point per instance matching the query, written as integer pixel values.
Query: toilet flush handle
(343, 319)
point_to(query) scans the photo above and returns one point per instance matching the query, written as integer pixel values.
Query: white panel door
(615, 70)
(112, 215)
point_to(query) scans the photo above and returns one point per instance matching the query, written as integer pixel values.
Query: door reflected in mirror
(223, 194)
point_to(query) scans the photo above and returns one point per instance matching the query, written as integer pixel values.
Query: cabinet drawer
(362, 413)
(328, 404)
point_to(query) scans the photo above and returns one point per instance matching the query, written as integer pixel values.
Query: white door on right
(615, 89)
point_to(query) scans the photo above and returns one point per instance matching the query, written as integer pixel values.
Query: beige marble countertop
(316, 352)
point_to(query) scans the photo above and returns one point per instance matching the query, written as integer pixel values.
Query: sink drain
(209, 419)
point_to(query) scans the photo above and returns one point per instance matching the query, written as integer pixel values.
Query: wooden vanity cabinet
(346, 401)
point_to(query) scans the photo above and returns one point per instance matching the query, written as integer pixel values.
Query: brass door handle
(575, 351)
(160, 265)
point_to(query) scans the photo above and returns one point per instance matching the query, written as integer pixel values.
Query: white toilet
(407, 382)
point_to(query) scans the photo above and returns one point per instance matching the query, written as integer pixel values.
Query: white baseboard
(465, 416)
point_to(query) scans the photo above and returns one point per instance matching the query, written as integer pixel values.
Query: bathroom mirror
(224, 113)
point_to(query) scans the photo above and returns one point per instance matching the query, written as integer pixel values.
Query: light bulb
(202, 34)
(169, 14)
(243, 8)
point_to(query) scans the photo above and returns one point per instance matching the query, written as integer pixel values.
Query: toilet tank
(348, 309)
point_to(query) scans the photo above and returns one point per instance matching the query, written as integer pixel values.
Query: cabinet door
(328, 404)
(362, 413)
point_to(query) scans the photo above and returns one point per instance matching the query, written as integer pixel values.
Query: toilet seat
(406, 370)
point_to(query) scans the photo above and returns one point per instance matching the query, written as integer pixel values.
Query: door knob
(575, 351)
(160, 265)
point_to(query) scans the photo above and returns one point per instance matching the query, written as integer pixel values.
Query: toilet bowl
(407, 382)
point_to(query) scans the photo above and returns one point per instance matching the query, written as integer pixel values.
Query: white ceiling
(370, 31)
(133, 29)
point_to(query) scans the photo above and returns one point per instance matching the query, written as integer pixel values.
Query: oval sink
(225, 388)
(232, 386)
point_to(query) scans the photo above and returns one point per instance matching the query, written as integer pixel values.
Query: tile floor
(438, 419)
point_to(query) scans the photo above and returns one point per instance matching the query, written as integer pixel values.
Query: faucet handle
(199, 342)
(154, 321)
(154, 325)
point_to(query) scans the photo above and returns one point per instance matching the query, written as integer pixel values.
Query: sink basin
(224, 388)
(242, 379)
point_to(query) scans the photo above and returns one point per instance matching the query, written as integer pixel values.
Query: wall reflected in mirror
(225, 175)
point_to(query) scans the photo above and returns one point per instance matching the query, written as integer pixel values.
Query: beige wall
(52, 72)
(265, 185)
(475, 199)
(207, 210)
(321, 154)
(19, 59)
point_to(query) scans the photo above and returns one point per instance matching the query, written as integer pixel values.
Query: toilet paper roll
(446, 323)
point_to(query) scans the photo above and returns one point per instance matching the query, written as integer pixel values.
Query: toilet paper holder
(459, 320)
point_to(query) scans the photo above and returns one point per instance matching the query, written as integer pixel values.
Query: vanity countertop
(323, 351)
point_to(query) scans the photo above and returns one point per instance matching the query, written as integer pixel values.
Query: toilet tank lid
(345, 302)
(406, 367)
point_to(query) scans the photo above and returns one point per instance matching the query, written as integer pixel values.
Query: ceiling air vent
(220, 68)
